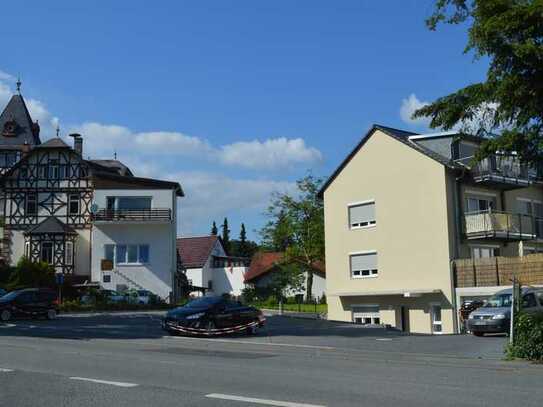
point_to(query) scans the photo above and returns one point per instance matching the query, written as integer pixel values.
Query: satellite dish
(94, 208)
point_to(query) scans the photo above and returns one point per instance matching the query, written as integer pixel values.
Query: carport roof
(373, 293)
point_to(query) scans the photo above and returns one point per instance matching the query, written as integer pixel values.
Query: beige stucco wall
(411, 236)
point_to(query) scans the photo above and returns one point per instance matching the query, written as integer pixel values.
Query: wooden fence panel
(498, 271)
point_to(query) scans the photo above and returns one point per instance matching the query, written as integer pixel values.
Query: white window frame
(371, 224)
(125, 262)
(371, 271)
(69, 253)
(372, 315)
(483, 246)
(432, 322)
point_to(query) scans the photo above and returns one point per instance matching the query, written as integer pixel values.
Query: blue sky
(234, 99)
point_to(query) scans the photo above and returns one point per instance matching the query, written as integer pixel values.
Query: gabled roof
(27, 132)
(195, 251)
(50, 225)
(264, 262)
(56, 142)
(400, 135)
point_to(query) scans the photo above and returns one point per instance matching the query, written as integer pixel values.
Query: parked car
(213, 316)
(141, 297)
(110, 296)
(495, 315)
(30, 302)
(2, 292)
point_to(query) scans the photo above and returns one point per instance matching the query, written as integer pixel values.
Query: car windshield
(498, 301)
(203, 302)
(10, 296)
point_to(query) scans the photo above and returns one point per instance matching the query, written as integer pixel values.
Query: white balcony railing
(502, 225)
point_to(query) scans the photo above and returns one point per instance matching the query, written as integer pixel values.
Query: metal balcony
(504, 172)
(502, 225)
(132, 215)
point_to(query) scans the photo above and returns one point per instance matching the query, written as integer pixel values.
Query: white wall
(228, 280)
(156, 276)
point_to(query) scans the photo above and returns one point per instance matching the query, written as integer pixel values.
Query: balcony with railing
(132, 215)
(504, 172)
(502, 225)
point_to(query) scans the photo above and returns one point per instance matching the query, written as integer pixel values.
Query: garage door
(366, 314)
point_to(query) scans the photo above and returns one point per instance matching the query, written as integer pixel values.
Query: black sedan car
(213, 316)
(29, 303)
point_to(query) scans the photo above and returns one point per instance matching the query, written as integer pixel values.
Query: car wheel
(51, 314)
(478, 333)
(251, 330)
(210, 326)
(5, 315)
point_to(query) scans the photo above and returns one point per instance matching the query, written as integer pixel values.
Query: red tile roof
(262, 263)
(194, 251)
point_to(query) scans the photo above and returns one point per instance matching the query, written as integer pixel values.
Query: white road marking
(260, 401)
(118, 384)
(383, 339)
(291, 345)
(2, 370)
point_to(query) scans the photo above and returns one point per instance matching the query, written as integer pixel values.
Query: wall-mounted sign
(106, 265)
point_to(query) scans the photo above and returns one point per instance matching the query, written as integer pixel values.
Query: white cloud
(270, 154)
(408, 107)
(211, 196)
(172, 143)
(5, 94)
(6, 77)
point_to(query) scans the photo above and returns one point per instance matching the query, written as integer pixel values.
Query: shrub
(271, 301)
(528, 338)
(323, 299)
(30, 274)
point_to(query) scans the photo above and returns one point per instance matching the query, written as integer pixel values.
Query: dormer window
(10, 128)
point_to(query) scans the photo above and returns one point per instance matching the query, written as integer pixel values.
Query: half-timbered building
(90, 219)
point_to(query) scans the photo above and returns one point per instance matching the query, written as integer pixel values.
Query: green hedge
(528, 338)
(76, 306)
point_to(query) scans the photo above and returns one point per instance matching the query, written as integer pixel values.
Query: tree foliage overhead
(509, 33)
(296, 227)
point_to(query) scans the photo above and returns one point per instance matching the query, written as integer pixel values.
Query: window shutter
(362, 213)
(364, 261)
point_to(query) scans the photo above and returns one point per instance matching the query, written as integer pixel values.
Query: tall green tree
(226, 236)
(243, 249)
(508, 105)
(296, 227)
(214, 230)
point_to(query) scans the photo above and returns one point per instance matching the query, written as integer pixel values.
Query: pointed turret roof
(16, 125)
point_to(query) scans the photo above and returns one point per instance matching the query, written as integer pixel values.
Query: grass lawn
(321, 308)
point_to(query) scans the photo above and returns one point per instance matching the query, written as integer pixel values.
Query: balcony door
(479, 204)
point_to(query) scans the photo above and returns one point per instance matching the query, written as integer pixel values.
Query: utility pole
(515, 307)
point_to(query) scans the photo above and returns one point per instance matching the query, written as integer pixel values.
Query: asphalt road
(125, 360)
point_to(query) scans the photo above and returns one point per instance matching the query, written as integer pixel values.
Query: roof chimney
(25, 149)
(78, 143)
